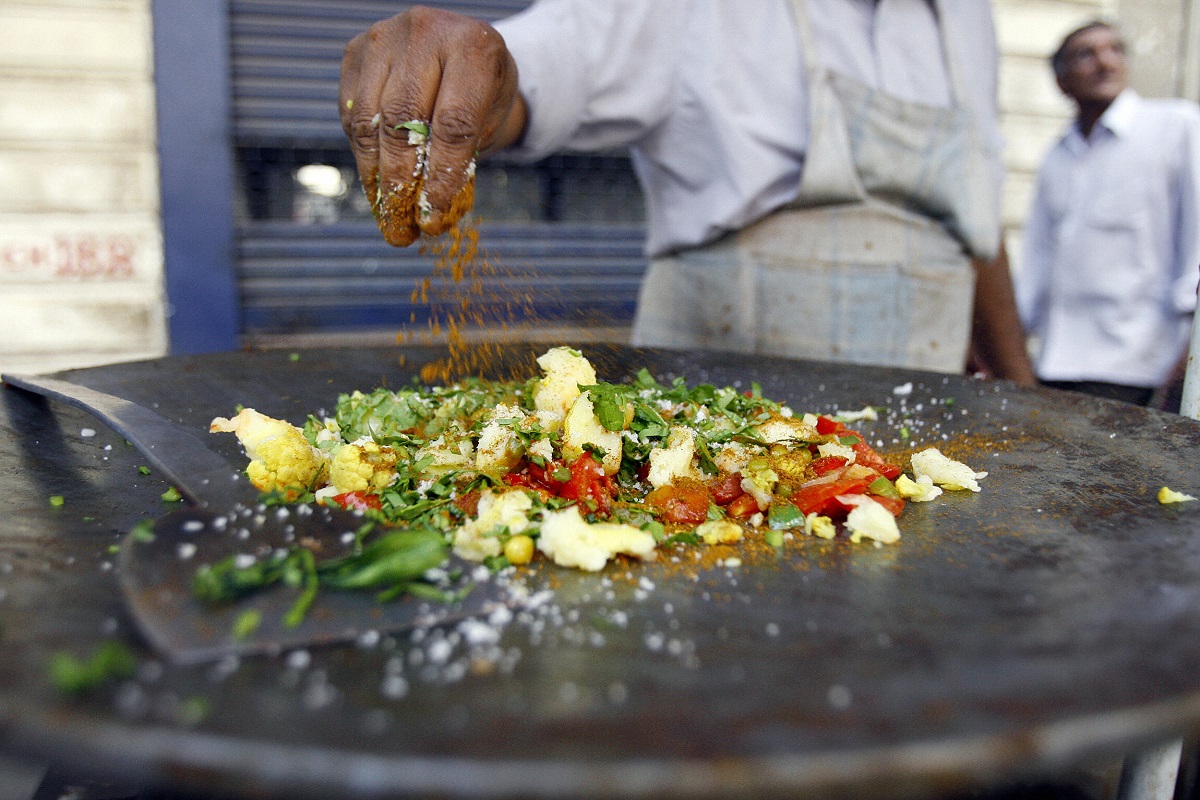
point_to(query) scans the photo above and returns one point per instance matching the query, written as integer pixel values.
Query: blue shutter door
(564, 258)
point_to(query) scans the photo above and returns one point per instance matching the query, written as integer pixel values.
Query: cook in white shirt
(716, 102)
(1112, 244)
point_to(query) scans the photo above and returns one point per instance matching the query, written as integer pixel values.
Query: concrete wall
(1163, 51)
(1032, 109)
(80, 242)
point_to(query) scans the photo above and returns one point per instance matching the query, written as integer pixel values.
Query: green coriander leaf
(246, 623)
(109, 661)
(413, 125)
(608, 402)
(143, 531)
(171, 495)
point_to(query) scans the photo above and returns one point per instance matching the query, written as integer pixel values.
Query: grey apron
(870, 264)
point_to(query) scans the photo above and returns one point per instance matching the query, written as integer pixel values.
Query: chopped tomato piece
(826, 426)
(682, 503)
(529, 475)
(726, 489)
(584, 481)
(589, 485)
(825, 464)
(822, 497)
(892, 504)
(742, 506)
(358, 501)
(869, 458)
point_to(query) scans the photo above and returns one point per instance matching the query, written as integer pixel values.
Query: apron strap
(814, 65)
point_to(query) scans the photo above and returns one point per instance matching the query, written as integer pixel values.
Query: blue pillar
(192, 79)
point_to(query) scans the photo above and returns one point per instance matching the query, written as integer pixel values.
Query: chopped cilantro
(74, 675)
(247, 623)
(143, 531)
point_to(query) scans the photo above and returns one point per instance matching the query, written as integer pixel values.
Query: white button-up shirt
(1112, 245)
(711, 95)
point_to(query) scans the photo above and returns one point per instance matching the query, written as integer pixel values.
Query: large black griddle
(1052, 619)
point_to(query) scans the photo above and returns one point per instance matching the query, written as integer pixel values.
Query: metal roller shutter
(564, 235)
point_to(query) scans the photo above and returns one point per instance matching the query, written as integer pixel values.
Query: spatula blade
(156, 575)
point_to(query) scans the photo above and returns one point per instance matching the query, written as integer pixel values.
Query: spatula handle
(200, 475)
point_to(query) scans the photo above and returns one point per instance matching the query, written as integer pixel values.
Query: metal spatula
(156, 570)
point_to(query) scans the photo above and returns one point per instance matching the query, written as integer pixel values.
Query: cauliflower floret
(447, 454)
(720, 531)
(499, 447)
(363, 467)
(571, 542)
(921, 490)
(734, 456)
(281, 459)
(565, 371)
(543, 448)
(675, 460)
(783, 429)
(945, 471)
(870, 520)
(582, 427)
(499, 512)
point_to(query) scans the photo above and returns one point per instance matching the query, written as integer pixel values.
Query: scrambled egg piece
(867, 412)
(582, 427)
(720, 531)
(571, 542)
(499, 447)
(500, 513)
(946, 472)
(759, 481)
(785, 429)
(675, 460)
(870, 520)
(363, 467)
(921, 490)
(281, 459)
(819, 525)
(1166, 496)
(565, 371)
(835, 449)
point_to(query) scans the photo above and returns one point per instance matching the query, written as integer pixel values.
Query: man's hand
(421, 95)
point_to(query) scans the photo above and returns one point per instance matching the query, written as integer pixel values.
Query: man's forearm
(998, 337)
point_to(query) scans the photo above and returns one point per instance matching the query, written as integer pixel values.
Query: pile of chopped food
(580, 471)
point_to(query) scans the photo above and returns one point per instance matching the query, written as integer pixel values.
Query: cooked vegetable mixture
(566, 467)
